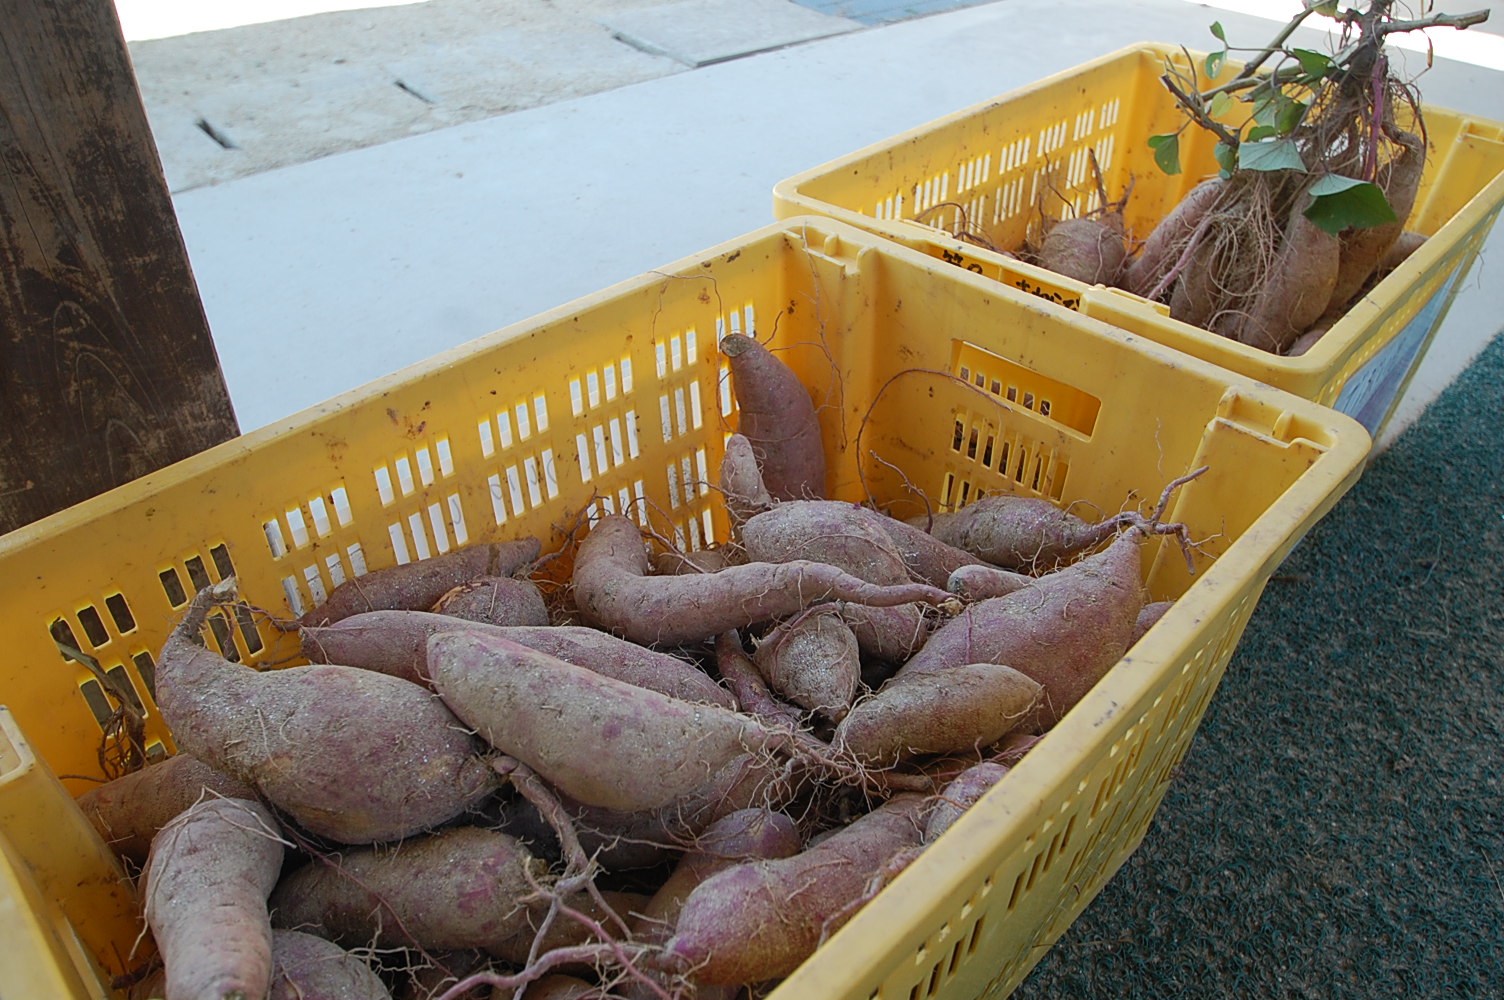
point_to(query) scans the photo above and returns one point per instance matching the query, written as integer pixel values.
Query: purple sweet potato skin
(1065, 631)
(813, 660)
(964, 707)
(495, 600)
(354, 756)
(598, 740)
(977, 583)
(129, 810)
(852, 539)
(777, 416)
(415, 586)
(458, 888)
(208, 876)
(613, 591)
(1014, 532)
(307, 967)
(396, 643)
(1089, 250)
(743, 835)
(1147, 616)
(960, 794)
(741, 481)
(759, 920)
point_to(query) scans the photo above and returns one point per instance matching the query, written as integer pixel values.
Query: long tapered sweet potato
(1017, 532)
(597, 740)
(962, 708)
(349, 754)
(777, 416)
(613, 590)
(396, 643)
(1363, 250)
(742, 487)
(1065, 630)
(208, 876)
(759, 920)
(415, 586)
(129, 810)
(461, 887)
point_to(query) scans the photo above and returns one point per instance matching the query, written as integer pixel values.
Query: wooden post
(107, 369)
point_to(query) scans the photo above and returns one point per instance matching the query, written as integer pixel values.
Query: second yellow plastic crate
(993, 167)
(928, 377)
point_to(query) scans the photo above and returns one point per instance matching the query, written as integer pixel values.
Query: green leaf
(1260, 132)
(1266, 109)
(1214, 63)
(1327, 7)
(1217, 32)
(1221, 104)
(1313, 62)
(1227, 158)
(1275, 154)
(1166, 152)
(1339, 203)
(1289, 117)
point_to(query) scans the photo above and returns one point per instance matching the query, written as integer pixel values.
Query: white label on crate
(1368, 394)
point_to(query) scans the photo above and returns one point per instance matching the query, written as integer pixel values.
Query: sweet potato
(979, 582)
(1091, 250)
(1017, 533)
(743, 835)
(349, 754)
(1297, 289)
(962, 708)
(598, 740)
(711, 560)
(495, 600)
(613, 591)
(1164, 245)
(208, 876)
(129, 810)
(565, 931)
(1065, 630)
(396, 643)
(742, 487)
(307, 967)
(851, 539)
(741, 674)
(960, 794)
(813, 661)
(415, 586)
(1147, 616)
(777, 416)
(759, 920)
(1362, 251)
(461, 887)
(928, 558)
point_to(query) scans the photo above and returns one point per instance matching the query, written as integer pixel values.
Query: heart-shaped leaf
(1270, 154)
(1339, 203)
(1166, 152)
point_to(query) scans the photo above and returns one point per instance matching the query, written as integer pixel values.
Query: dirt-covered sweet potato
(207, 879)
(349, 754)
(759, 920)
(308, 967)
(777, 416)
(415, 586)
(598, 740)
(461, 887)
(396, 643)
(129, 810)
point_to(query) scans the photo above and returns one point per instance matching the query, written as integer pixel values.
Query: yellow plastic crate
(620, 401)
(990, 168)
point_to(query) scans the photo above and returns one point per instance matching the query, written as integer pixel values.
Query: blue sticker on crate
(1368, 395)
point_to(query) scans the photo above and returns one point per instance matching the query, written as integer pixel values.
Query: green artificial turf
(1337, 830)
